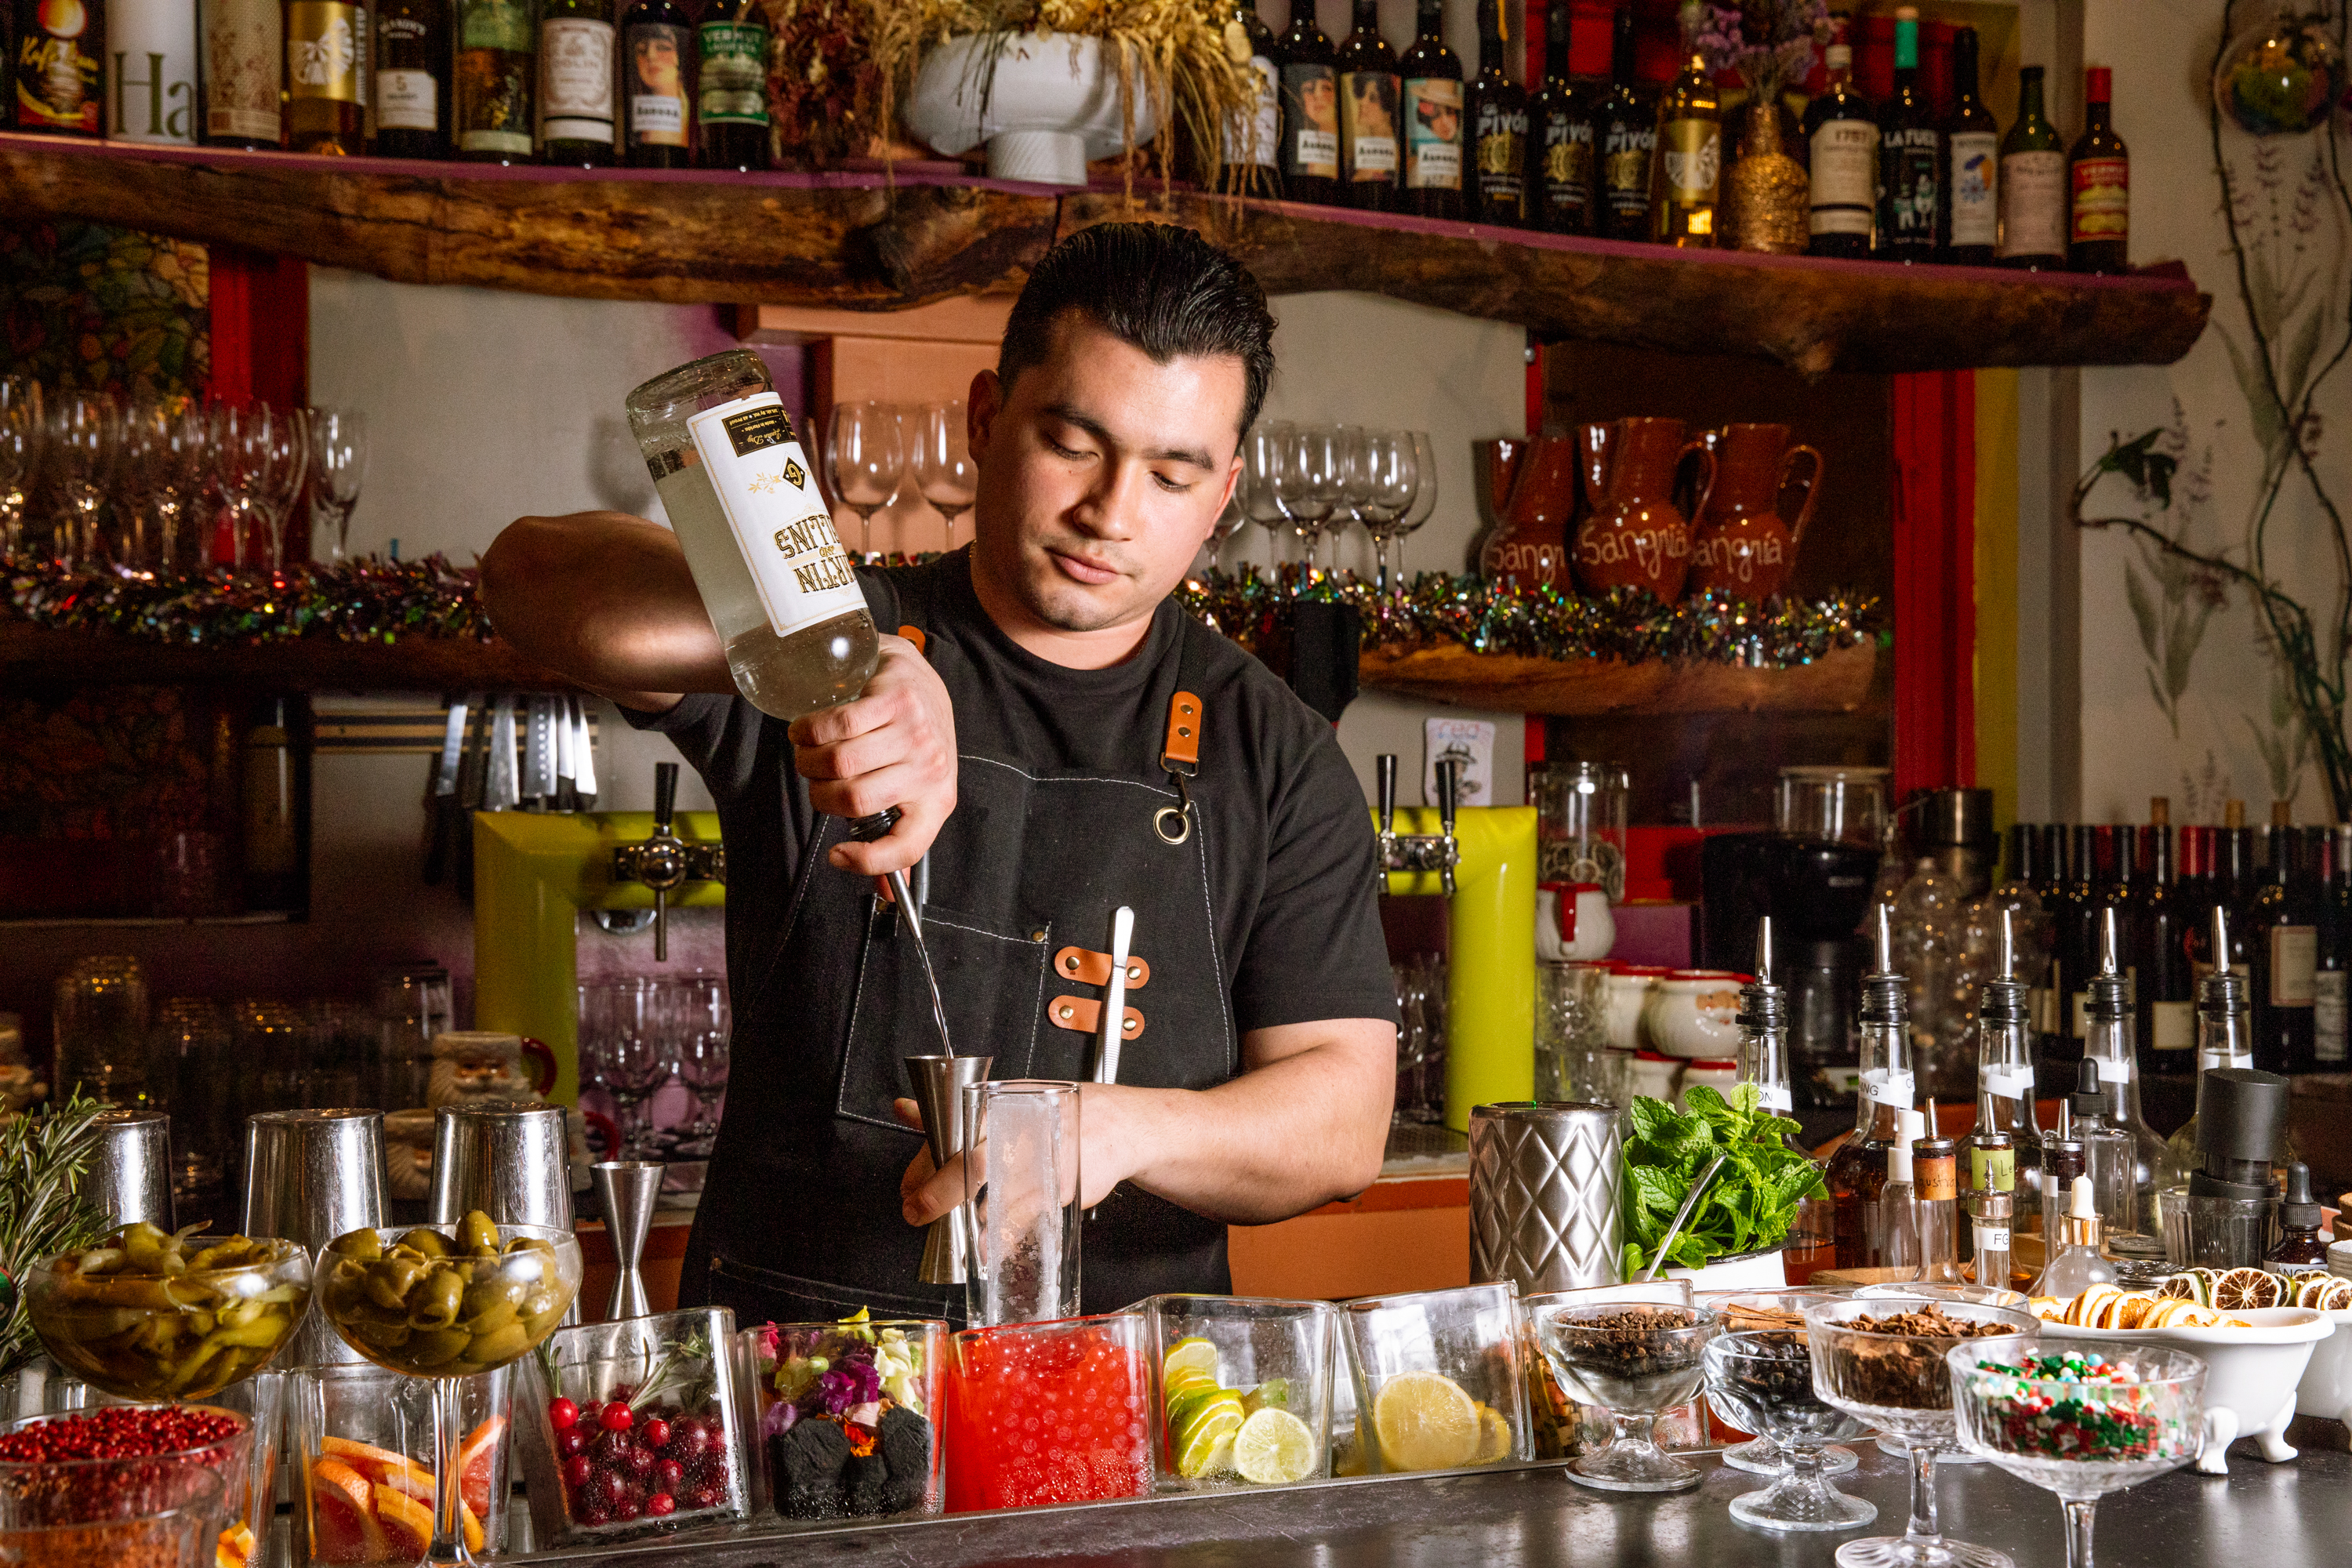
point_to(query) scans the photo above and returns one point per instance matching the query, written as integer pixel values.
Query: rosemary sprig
(42, 1156)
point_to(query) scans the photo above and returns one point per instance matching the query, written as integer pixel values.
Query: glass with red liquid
(1049, 1413)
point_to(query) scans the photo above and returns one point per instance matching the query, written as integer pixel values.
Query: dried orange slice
(2242, 1289)
(235, 1548)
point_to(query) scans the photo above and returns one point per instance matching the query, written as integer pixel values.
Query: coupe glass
(339, 454)
(82, 452)
(1424, 496)
(523, 1276)
(169, 1337)
(1763, 1380)
(865, 454)
(1306, 483)
(1782, 1308)
(1560, 1423)
(944, 471)
(1261, 452)
(1900, 1385)
(700, 1036)
(2074, 1436)
(21, 435)
(1634, 1368)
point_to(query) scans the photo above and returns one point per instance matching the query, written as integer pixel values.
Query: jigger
(130, 1169)
(509, 1159)
(939, 1083)
(310, 1177)
(628, 1189)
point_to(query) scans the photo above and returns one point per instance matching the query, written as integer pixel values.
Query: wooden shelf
(870, 239)
(30, 654)
(1837, 683)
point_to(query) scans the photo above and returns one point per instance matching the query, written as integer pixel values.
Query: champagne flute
(21, 433)
(1424, 496)
(865, 454)
(944, 471)
(239, 448)
(338, 456)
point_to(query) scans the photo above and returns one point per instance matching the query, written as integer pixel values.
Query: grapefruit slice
(474, 1457)
(408, 1524)
(235, 1548)
(380, 1465)
(343, 1527)
(473, 1525)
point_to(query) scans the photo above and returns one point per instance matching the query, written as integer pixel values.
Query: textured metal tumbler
(508, 1158)
(130, 1169)
(1544, 1183)
(938, 1089)
(310, 1177)
(627, 1191)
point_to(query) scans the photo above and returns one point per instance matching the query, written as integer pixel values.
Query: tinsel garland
(370, 600)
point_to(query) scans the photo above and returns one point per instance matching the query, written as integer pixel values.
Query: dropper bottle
(2106, 1153)
(1859, 1168)
(2108, 1039)
(2077, 1264)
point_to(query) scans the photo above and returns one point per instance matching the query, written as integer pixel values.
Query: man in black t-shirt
(1063, 742)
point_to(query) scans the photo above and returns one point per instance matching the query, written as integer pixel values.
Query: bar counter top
(2292, 1515)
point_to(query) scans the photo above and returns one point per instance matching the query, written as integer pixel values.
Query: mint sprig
(1749, 1206)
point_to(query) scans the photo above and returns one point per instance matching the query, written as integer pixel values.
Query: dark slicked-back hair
(1163, 289)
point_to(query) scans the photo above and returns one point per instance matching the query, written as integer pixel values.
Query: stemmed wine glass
(287, 456)
(1306, 483)
(865, 453)
(1262, 455)
(1425, 495)
(702, 1055)
(338, 455)
(638, 1058)
(944, 471)
(144, 458)
(180, 490)
(20, 456)
(1381, 479)
(79, 444)
(239, 440)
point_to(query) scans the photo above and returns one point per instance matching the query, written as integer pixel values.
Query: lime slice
(1190, 1354)
(1183, 1408)
(1274, 1448)
(1494, 1436)
(1203, 1441)
(1424, 1422)
(1185, 1383)
(1274, 1393)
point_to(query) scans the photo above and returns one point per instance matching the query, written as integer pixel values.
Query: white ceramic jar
(1573, 922)
(1629, 987)
(1695, 1013)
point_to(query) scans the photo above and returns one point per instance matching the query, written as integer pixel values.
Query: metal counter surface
(2294, 1514)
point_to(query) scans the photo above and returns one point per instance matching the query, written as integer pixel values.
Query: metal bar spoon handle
(626, 1191)
(939, 1083)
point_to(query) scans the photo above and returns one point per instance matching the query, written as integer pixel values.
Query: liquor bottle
(1494, 115)
(270, 831)
(1432, 119)
(61, 67)
(1891, 1220)
(1858, 1171)
(732, 86)
(1559, 131)
(2051, 887)
(242, 51)
(1253, 137)
(2032, 184)
(1910, 154)
(411, 79)
(1687, 173)
(2289, 932)
(151, 72)
(2003, 1152)
(1763, 1023)
(2099, 183)
(490, 119)
(757, 535)
(657, 95)
(1969, 187)
(2078, 934)
(1310, 110)
(1842, 136)
(2108, 1045)
(2225, 1038)
(2165, 995)
(1367, 113)
(575, 82)
(2331, 990)
(326, 76)
(1627, 137)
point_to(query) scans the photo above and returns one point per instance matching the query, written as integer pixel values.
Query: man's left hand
(895, 744)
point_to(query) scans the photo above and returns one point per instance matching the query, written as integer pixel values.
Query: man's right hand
(895, 746)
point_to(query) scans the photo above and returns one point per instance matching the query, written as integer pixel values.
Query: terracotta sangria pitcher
(1635, 537)
(1739, 544)
(1528, 548)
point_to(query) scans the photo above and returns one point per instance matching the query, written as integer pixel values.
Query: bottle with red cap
(2100, 179)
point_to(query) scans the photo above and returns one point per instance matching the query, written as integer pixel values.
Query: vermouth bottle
(758, 537)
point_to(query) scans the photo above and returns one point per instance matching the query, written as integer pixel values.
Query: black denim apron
(800, 1217)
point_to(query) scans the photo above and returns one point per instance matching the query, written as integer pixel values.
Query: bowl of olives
(448, 1300)
(148, 1315)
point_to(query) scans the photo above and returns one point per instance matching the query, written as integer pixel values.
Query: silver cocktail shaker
(310, 1177)
(508, 1158)
(131, 1168)
(1544, 1183)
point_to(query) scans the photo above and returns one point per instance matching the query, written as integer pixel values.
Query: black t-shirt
(1292, 888)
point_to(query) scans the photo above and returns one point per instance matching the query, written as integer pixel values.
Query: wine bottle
(60, 69)
(1432, 119)
(1310, 110)
(1910, 154)
(1367, 113)
(326, 76)
(243, 49)
(152, 71)
(1969, 185)
(1842, 135)
(2289, 932)
(2099, 183)
(575, 82)
(658, 51)
(411, 79)
(1628, 138)
(2032, 184)
(758, 536)
(1559, 131)
(492, 114)
(1495, 111)
(1687, 172)
(732, 86)
(2331, 990)
(2167, 998)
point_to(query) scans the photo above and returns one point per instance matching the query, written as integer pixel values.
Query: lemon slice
(1424, 1422)
(1204, 1443)
(1274, 1448)
(1494, 1436)
(1193, 1355)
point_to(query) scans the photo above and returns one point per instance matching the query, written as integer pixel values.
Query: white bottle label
(2295, 960)
(1976, 212)
(1883, 1087)
(2113, 1072)
(408, 101)
(2008, 1083)
(2033, 203)
(150, 72)
(2328, 1014)
(575, 78)
(1991, 1238)
(1775, 1097)
(1845, 176)
(780, 523)
(2172, 1026)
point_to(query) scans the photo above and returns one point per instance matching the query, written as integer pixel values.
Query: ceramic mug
(1573, 922)
(1695, 1013)
(1629, 995)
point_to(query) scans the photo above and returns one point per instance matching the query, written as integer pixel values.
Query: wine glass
(1425, 495)
(1383, 478)
(2080, 1420)
(1261, 456)
(339, 454)
(944, 471)
(21, 433)
(702, 1055)
(1306, 483)
(178, 476)
(81, 448)
(865, 454)
(237, 433)
(285, 456)
(142, 435)
(638, 1057)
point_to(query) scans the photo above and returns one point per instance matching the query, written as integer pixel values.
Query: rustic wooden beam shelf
(1837, 683)
(30, 654)
(873, 239)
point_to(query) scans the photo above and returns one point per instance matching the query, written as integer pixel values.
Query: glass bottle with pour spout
(2225, 1038)
(1858, 1171)
(1764, 1062)
(2108, 1041)
(2003, 1153)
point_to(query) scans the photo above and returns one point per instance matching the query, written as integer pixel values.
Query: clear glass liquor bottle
(2225, 1038)
(2003, 1152)
(2107, 1041)
(1858, 1171)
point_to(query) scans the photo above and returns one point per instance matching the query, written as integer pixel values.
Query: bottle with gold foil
(1494, 118)
(1688, 168)
(326, 76)
(58, 59)
(242, 51)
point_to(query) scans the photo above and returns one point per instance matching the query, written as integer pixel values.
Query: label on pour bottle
(1433, 135)
(1883, 1085)
(2328, 1014)
(1775, 1097)
(1975, 211)
(781, 524)
(1991, 1235)
(1993, 1170)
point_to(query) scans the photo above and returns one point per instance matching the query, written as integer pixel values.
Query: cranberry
(638, 1463)
(591, 1515)
(576, 1472)
(686, 1437)
(610, 1446)
(626, 1509)
(563, 1414)
(571, 1444)
(624, 1394)
(708, 1497)
(655, 1435)
(661, 1503)
(611, 1489)
(616, 1418)
(669, 1474)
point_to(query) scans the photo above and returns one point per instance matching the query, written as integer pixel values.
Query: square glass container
(849, 1416)
(1242, 1395)
(1049, 1413)
(1439, 1380)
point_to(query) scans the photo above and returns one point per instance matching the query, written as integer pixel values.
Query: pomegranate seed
(655, 1435)
(563, 1414)
(661, 1503)
(616, 1418)
(669, 1474)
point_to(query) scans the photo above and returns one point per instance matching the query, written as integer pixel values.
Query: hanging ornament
(2281, 77)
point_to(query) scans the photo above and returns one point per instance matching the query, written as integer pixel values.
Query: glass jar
(1580, 824)
(1842, 805)
(101, 1030)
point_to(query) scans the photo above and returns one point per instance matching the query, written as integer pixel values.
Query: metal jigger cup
(130, 1169)
(509, 1159)
(627, 1189)
(310, 1177)
(939, 1083)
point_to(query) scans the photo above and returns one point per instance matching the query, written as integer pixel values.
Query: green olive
(389, 1280)
(479, 1235)
(383, 1333)
(433, 1301)
(431, 1243)
(361, 1246)
(501, 1345)
(436, 1347)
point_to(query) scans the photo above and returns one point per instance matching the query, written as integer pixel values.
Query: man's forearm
(606, 599)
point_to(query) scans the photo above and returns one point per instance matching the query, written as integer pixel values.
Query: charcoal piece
(862, 1483)
(808, 1461)
(903, 1441)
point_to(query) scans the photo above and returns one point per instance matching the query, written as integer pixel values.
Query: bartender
(1024, 729)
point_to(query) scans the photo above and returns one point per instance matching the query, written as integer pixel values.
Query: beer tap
(1437, 852)
(666, 862)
